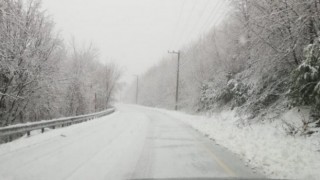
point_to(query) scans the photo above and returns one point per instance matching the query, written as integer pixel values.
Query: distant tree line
(263, 57)
(42, 78)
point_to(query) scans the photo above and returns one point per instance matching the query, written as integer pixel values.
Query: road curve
(133, 143)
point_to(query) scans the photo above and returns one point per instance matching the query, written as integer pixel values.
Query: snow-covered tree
(305, 86)
(244, 61)
(40, 77)
(27, 42)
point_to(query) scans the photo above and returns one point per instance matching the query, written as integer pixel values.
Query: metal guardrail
(17, 129)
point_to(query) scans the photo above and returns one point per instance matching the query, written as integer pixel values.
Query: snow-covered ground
(146, 142)
(265, 147)
(133, 143)
(89, 150)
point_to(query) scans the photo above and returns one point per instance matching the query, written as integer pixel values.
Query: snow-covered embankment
(265, 147)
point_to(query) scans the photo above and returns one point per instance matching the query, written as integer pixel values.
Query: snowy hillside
(265, 147)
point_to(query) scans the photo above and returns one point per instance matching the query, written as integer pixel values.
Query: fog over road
(134, 142)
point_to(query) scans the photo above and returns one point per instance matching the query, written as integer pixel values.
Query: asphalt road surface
(132, 143)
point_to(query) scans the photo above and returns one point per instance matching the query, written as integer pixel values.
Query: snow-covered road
(133, 143)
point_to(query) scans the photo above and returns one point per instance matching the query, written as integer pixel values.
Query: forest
(261, 60)
(43, 76)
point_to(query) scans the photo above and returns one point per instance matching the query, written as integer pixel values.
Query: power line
(202, 13)
(207, 21)
(185, 24)
(211, 21)
(218, 18)
(178, 22)
(215, 21)
(220, 3)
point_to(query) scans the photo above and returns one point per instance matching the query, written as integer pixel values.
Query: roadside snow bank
(265, 147)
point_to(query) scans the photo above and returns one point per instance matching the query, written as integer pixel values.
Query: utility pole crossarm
(174, 52)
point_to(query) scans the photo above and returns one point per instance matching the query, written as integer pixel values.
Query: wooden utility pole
(95, 102)
(137, 89)
(177, 84)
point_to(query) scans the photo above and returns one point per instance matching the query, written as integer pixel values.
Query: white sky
(135, 34)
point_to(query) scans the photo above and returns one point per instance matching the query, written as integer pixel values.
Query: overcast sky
(135, 34)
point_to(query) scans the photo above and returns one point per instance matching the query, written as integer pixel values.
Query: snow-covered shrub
(305, 85)
(235, 93)
(206, 100)
(239, 92)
